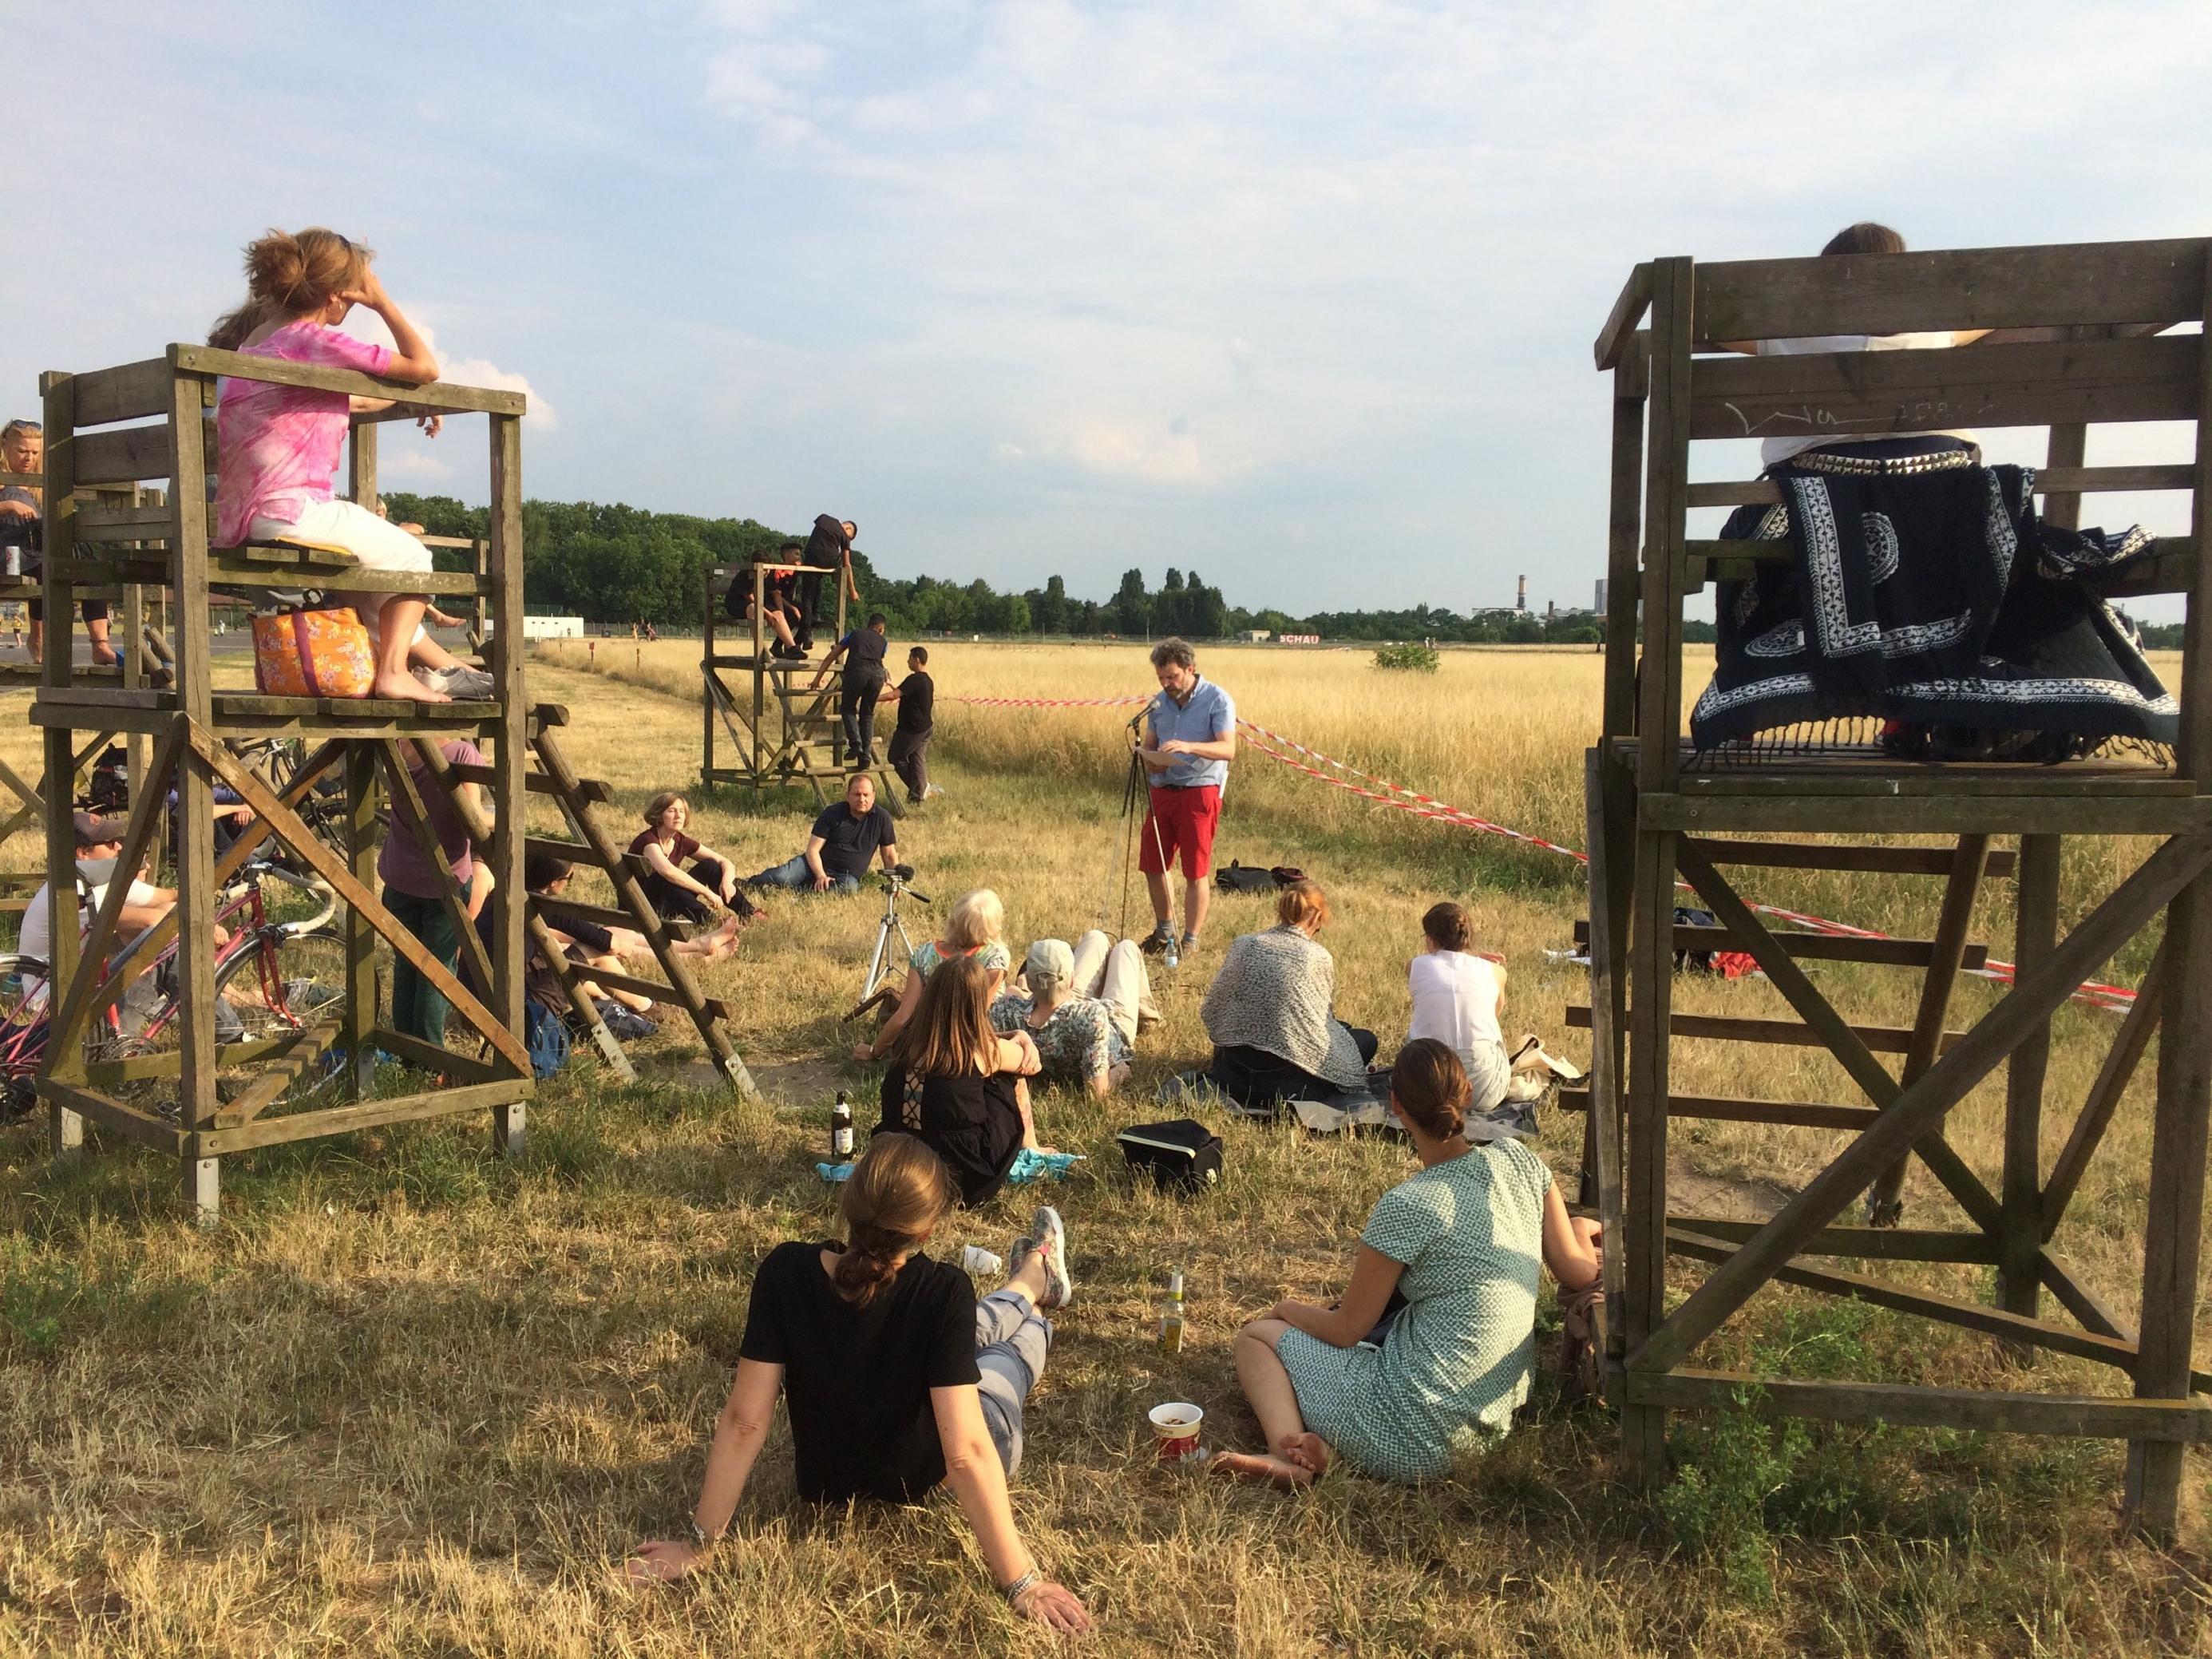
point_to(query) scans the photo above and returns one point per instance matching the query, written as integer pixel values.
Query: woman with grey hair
(1084, 1038)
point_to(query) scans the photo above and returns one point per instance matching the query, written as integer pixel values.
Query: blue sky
(1299, 297)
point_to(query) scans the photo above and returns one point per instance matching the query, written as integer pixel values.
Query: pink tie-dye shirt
(280, 444)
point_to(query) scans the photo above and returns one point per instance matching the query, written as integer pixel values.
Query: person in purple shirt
(411, 889)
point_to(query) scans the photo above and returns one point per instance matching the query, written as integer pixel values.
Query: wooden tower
(780, 729)
(150, 420)
(2076, 347)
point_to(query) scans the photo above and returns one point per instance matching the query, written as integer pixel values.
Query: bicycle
(284, 994)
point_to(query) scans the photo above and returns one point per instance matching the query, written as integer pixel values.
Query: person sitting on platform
(829, 550)
(1458, 992)
(1460, 1241)
(779, 609)
(711, 883)
(279, 444)
(22, 525)
(976, 927)
(894, 1377)
(1268, 1014)
(958, 1084)
(839, 846)
(864, 649)
(1082, 1011)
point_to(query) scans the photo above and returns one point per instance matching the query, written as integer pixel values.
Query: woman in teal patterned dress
(1461, 1240)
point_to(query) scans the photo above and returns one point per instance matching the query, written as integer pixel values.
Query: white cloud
(459, 371)
(411, 465)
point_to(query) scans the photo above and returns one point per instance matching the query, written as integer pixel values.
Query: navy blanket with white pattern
(1937, 600)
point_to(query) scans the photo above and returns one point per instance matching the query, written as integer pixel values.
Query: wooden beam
(1921, 1107)
(2014, 1329)
(1789, 1033)
(2113, 1077)
(278, 371)
(1837, 856)
(1884, 1205)
(303, 842)
(2020, 1224)
(1786, 1113)
(369, 1114)
(1884, 806)
(1627, 312)
(2095, 1416)
(1820, 947)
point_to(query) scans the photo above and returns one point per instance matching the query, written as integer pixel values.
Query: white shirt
(38, 935)
(1776, 450)
(1455, 1001)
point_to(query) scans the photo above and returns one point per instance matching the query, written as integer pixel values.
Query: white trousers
(1115, 975)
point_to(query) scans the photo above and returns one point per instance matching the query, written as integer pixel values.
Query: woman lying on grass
(895, 1377)
(1461, 1240)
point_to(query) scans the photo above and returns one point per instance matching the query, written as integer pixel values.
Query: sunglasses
(23, 426)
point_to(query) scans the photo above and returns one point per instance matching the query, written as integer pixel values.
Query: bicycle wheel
(279, 984)
(22, 1034)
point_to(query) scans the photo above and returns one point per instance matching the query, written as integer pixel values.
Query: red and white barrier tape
(1396, 795)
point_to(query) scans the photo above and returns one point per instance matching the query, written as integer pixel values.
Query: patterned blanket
(1936, 600)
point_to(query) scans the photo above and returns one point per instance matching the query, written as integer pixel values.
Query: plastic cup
(1175, 1428)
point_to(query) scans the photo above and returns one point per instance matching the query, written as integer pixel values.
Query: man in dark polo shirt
(845, 837)
(916, 697)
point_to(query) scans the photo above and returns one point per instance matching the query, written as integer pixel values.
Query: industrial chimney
(1520, 593)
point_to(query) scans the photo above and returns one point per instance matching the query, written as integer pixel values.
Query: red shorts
(1181, 821)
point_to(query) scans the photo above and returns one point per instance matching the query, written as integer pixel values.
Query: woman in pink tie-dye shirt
(280, 445)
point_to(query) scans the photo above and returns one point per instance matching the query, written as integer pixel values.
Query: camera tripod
(873, 990)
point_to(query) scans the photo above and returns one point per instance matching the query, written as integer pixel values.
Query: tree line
(616, 563)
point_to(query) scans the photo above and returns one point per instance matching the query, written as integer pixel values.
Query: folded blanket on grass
(1027, 1166)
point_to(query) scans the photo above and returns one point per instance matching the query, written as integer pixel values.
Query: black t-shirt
(847, 843)
(917, 702)
(856, 1380)
(827, 548)
(865, 648)
(972, 1122)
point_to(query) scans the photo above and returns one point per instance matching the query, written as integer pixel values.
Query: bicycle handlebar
(267, 870)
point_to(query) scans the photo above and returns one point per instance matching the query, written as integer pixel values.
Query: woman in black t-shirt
(894, 1376)
(957, 1084)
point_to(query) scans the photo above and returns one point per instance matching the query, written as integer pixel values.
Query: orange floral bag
(313, 653)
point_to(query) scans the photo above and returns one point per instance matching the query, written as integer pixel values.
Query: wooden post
(757, 761)
(362, 817)
(2173, 1235)
(66, 1128)
(1624, 531)
(511, 761)
(706, 683)
(196, 892)
(2020, 1231)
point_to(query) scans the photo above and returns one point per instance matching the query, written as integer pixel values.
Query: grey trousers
(909, 758)
(1011, 1339)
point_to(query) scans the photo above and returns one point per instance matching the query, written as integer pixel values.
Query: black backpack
(1181, 1154)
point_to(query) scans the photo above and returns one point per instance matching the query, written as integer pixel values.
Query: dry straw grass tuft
(408, 1400)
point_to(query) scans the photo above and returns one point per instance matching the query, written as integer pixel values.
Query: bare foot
(1276, 1472)
(1308, 1451)
(404, 687)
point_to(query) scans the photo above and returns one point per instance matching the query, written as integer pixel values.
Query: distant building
(1600, 605)
(1257, 635)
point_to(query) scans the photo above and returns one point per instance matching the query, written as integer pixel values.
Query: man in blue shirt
(1190, 738)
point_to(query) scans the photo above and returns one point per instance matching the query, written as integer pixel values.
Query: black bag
(1181, 1154)
(1244, 879)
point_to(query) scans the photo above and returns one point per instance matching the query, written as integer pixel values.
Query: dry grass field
(407, 1399)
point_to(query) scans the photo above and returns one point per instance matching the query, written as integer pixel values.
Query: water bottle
(841, 1130)
(1171, 957)
(1171, 1315)
(11, 561)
